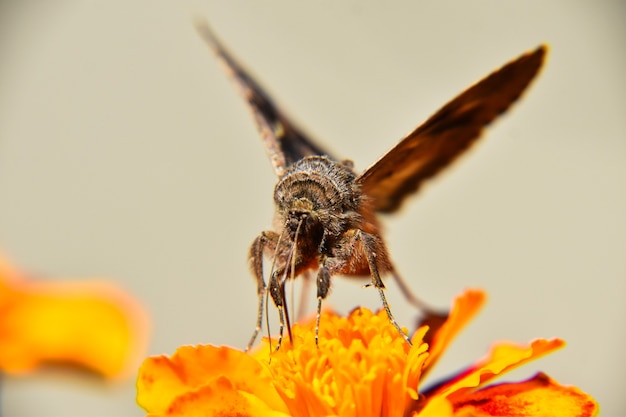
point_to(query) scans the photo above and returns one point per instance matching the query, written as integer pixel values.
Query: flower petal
(361, 366)
(464, 307)
(90, 324)
(195, 375)
(538, 396)
(502, 358)
(218, 398)
(437, 407)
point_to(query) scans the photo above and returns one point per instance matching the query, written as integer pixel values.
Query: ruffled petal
(502, 358)
(464, 308)
(195, 376)
(89, 324)
(539, 396)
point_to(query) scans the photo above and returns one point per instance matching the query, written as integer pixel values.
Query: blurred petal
(89, 324)
(537, 397)
(196, 377)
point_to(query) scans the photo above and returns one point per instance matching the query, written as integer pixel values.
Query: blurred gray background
(125, 153)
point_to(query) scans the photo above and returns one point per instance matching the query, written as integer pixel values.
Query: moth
(326, 214)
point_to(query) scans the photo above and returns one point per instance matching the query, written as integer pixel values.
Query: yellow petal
(196, 375)
(464, 307)
(537, 397)
(502, 358)
(89, 324)
(437, 407)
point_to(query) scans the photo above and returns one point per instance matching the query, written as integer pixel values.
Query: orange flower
(89, 324)
(363, 367)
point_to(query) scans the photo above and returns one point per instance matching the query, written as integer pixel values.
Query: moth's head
(316, 192)
(301, 217)
(298, 207)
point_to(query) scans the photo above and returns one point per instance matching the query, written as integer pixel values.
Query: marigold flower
(89, 324)
(362, 367)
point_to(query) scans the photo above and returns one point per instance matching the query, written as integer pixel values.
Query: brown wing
(283, 141)
(445, 135)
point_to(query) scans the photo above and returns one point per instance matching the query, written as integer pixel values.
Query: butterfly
(326, 213)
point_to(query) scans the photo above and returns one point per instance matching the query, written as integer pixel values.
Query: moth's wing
(283, 141)
(445, 135)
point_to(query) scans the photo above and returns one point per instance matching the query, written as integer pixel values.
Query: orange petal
(464, 307)
(195, 376)
(538, 396)
(89, 324)
(502, 358)
(218, 398)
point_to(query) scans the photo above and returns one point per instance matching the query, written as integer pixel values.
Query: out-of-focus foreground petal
(91, 324)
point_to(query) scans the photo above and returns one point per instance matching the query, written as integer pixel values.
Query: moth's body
(322, 197)
(326, 213)
(323, 222)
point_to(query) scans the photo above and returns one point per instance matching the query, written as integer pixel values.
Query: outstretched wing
(445, 135)
(283, 141)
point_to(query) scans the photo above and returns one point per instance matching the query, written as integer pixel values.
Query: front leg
(368, 246)
(276, 286)
(357, 253)
(277, 291)
(323, 286)
(265, 240)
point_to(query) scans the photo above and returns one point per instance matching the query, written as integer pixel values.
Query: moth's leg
(358, 253)
(369, 248)
(277, 291)
(255, 258)
(323, 285)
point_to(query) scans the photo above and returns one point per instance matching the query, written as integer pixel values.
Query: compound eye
(298, 214)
